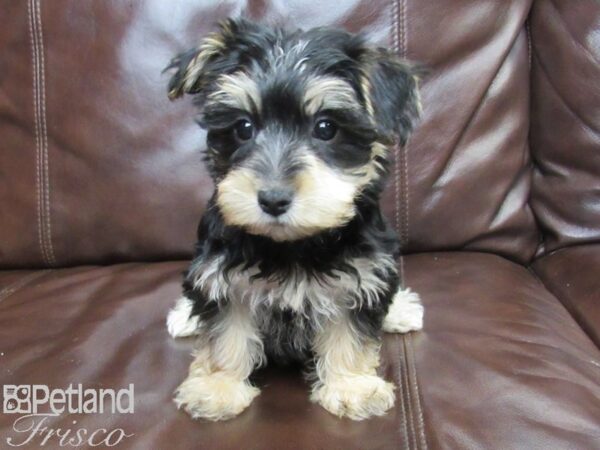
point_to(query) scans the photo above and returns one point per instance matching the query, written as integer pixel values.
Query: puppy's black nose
(275, 201)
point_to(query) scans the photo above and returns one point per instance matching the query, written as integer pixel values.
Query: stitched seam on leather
(44, 127)
(394, 24)
(395, 46)
(40, 145)
(420, 425)
(528, 30)
(400, 166)
(34, 65)
(406, 381)
(401, 389)
(21, 283)
(403, 227)
(404, 149)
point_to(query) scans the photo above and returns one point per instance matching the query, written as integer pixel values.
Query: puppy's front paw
(405, 313)
(180, 322)
(357, 397)
(217, 396)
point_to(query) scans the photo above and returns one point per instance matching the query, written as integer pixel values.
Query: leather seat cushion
(499, 364)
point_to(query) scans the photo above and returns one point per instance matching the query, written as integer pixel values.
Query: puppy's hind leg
(217, 387)
(180, 322)
(405, 313)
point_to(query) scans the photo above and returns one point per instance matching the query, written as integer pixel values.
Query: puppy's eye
(325, 130)
(244, 130)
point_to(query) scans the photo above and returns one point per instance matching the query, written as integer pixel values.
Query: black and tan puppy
(294, 260)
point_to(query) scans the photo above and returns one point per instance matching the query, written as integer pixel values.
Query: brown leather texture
(565, 121)
(495, 197)
(572, 274)
(500, 363)
(99, 167)
(463, 180)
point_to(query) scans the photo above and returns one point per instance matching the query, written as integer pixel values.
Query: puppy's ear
(390, 88)
(197, 67)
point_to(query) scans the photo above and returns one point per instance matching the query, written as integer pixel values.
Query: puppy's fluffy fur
(294, 260)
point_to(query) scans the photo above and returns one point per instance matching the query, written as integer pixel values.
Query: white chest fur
(326, 294)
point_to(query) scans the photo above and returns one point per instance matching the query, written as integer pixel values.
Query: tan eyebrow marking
(237, 90)
(325, 92)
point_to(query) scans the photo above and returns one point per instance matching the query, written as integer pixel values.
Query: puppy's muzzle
(275, 201)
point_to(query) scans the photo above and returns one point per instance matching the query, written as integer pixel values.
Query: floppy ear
(191, 67)
(391, 94)
(196, 68)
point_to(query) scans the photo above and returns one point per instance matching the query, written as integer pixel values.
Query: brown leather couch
(496, 198)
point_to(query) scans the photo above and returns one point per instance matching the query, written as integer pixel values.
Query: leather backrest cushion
(565, 121)
(97, 165)
(463, 181)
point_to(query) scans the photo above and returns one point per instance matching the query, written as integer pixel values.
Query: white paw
(357, 397)
(179, 322)
(405, 313)
(217, 396)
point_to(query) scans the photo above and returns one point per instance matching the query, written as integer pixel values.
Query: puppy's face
(299, 124)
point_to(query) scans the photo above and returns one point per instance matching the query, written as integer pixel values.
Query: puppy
(294, 260)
